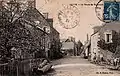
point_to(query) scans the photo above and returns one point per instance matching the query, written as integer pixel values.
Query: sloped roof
(111, 26)
(62, 40)
(68, 40)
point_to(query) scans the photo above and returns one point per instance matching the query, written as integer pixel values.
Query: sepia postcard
(59, 37)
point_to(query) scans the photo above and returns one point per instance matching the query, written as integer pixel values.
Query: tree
(12, 9)
(79, 45)
(12, 32)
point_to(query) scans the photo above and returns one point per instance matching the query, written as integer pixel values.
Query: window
(108, 38)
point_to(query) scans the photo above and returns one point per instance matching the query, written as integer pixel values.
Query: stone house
(45, 33)
(105, 34)
(69, 47)
(34, 23)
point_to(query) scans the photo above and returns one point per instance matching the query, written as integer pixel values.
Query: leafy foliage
(110, 46)
(13, 33)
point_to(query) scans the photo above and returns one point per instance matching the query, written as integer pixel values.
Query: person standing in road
(101, 58)
(115, 61)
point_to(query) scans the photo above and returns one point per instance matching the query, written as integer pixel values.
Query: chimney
(45, 15)
(50, 21)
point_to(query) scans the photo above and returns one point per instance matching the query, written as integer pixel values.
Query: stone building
(69, 46)
(51, 40)
(27, 35)
(54, 39)
(40, 28)
(105, 40)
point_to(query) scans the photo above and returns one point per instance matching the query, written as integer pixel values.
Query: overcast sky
(87, 16)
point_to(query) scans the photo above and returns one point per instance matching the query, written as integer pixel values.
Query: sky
(87, 16)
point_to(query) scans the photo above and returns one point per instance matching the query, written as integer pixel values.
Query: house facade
(94, 47)
(49, 38)
(104, 40)
(69, 47)
(37, 28)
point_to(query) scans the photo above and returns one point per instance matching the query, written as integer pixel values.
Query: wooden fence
(19, 67)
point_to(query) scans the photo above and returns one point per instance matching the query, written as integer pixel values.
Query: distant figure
(115, 62)
(101, 58)
(95, 57)
(89, 58)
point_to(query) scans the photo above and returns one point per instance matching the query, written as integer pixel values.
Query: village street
(77, 66)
